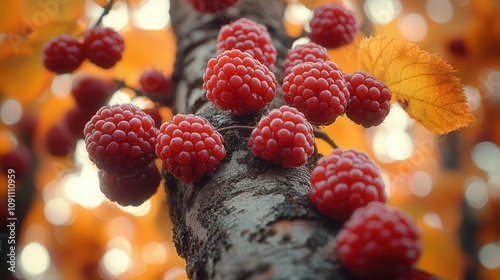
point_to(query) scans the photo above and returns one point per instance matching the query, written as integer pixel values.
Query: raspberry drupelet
(379, 242)
(318, 90)
(189, 147)
(284, 136)
(248, 36)
(120, 139)
(238, 82)
(344, 181)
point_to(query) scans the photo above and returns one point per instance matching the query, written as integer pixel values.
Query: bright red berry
(17, 161)
(332, 25)
(120, 139)
(189, 147)
(103, 46)
(238, 82)
(248, 36)
(284, 136)
(318, 90)
(91, 93)
(379, 242)
(370, 99)
(63, 54)
(308, 52)
(345, 181)
(155, 84)
(130, 191)
(211, 6)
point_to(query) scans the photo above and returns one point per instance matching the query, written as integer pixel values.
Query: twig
(323, 135)
(106, 11)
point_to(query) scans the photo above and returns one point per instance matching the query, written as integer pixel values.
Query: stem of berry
(106, 11)
(318, 133)
(237, 127)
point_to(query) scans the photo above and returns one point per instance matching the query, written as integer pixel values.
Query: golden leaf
(421, 82)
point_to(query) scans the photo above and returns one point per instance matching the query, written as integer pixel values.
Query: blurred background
(449, 184)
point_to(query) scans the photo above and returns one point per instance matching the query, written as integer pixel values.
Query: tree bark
(249, 219)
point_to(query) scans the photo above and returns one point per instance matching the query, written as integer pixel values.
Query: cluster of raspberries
(101, 46)
(376, 240)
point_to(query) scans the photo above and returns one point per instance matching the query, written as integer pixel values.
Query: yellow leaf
(421, 82)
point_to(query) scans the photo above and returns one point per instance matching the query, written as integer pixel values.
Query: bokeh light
(34, 259)
(413, 27)
(382, 11)
(11, 111)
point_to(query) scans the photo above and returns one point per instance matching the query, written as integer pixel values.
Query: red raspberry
(211, 6)
(236, 81)
(248, 36)
(59, 141)
(379, 242)
(134, 190)
(332, 25)
(103, 46)
(91, 93)
(345, 181)
(318, 90)
(120, 139)
(18, 159)
(284, 136)
(308, 52)
(63, 54)
(189, 147)
(155, 114)
(370, 99)
(155, 84)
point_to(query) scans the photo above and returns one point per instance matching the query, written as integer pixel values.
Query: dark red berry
(130, 191)
(345, 181)
(379, 242)
(318, 90)
(120, 139)
(308, 52)
(189, 147)
(211, 6)
(59, 141)
(238, 82)
(156, 85)
(154, 112)
(75, 120)
(103, 46)
(17, 161)
(91, 93)
(370, 99)
(332, 25)
(63, 54)
(284, 136)
(248, 36)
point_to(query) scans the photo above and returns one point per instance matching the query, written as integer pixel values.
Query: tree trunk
(249, 219)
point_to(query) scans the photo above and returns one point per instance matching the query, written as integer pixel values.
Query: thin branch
(318, 133)
(106, 11)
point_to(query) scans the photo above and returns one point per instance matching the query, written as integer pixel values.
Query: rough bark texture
(249, 219)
